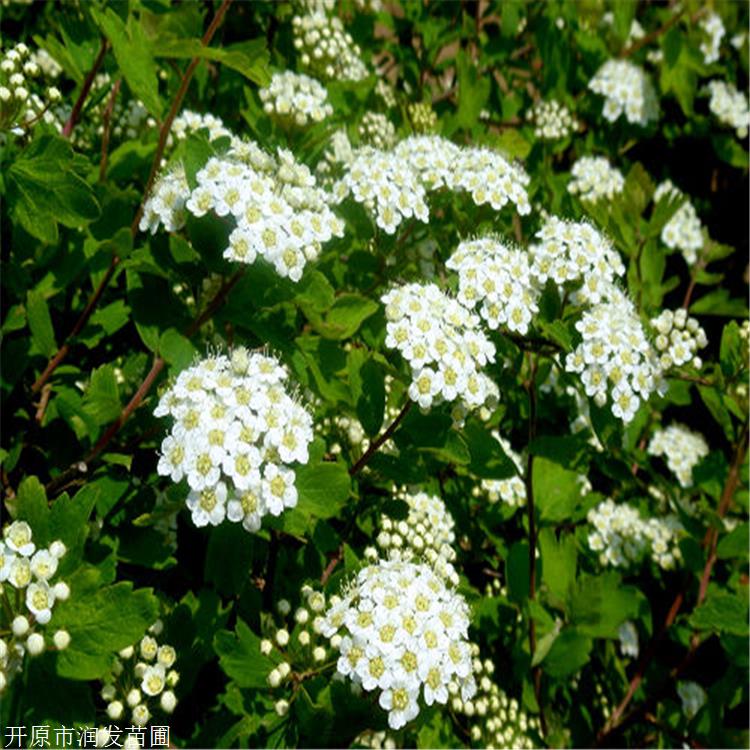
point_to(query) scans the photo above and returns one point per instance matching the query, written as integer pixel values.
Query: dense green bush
(374, 373)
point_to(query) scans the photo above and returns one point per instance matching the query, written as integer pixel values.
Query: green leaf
(734, 544)
(102, 397)
(346, 315)
(568, 653)
(559, 559)
(367, 382)
(176, 349)
(101, 623)
(44, 189)
(719, 302)
(517, 572)
(40, 323)
(722, 613)
(556, 490)
(249, 58)
(322, 489)
(32, 508)
(600, 604)
(488, 458)
(133, 54)
(240, 657)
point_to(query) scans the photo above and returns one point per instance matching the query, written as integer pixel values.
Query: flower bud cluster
(376, 130)
(188, 122)
(385, 91)
(494, 719)
(683, 230)
(730, 106)
(326, 49)
(678, 339)
(24, 98)
(426, 534)
(683, 449)
(626, 90)
(405, 634)
(443, 344)
(512, 490)
(552, 120)
(47, 64)
(622, 537)
(712, 26)
(295, 99)
(576, 252)
(595, 178)
(422, 116)
(30, 571)
(278, 211)
(298, 644)
(374, 740)
(141, 674)
(499, 278)
(236, 436)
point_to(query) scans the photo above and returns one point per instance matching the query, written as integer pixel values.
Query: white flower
(552, 120)
(295, 98)
(18, 538)
(153, 679)
(40, 599)
(35, 644)
(61, 639)
(693, 697)
(628, 636)
(595, 178)
(399, 621)
(713, 27)
(43, 564)
(627, 90)
(683, 449)
(683, 231)
(730, 106)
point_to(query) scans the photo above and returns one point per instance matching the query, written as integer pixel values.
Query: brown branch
(107, 117)
(67, 130)
(43, 401)
(710, 541)
(163, 135)
(643, 41)
(332, 563)
(82, 466)
(367, 455)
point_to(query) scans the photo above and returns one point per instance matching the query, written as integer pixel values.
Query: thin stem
(273, 553)
(367, 455)
(107, 117)
(617, 719)
(62, 352)
(640, 43)
(536, 671)
(67, 130)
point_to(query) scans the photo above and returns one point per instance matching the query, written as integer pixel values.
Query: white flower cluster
(683, 449)
(552, 120)
(405, 634)
(495, 720)
(512, 490)
(683, 230)
(369, 738)
(139, 673)
(595, 178)
(29, 571)
(575, 252)
(426, 534)
(280, 213)
(188, 122)
(692, 696)
(24, 100)
(615, 356)
(236, 436)
(443, 344)
(730, 106)
(422, 116)
(487, 175)
(298, 644)
(326, 49)
(376, 130)
(628, 636)
(295, 99)
(499, 277)
(626, 90)
(679, 338)
(386, 185)
(46, 63)
(712, 26)
(622, 537)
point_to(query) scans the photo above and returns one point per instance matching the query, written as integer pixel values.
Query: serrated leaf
(240, 657)
(322, 489)
(723, 613)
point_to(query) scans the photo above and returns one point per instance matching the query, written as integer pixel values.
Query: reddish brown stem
(666, 26)
(107, 128)
(367, 455)
(709, 541)
(87, 83)
(62, 352)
